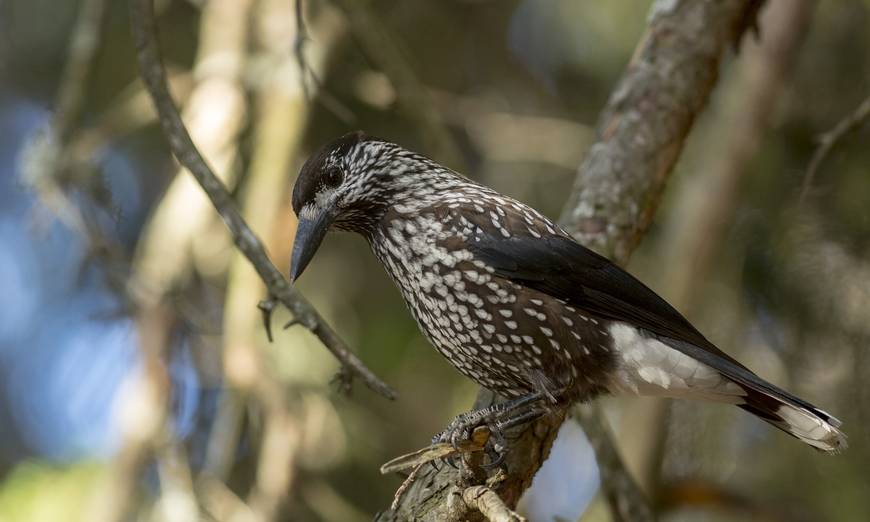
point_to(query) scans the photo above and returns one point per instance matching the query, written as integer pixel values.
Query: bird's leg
(460, 428)
(495, 450)
(497, 418)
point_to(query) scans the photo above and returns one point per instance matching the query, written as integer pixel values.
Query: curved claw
(451, 460)
(495, 447)
(496, 459)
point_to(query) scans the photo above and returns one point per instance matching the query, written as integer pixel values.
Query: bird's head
(349, 184)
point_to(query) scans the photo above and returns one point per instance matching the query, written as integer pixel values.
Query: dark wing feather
(562, 268)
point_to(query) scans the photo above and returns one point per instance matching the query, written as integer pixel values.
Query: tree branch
(48, 154)
(829, 139)
(83, 46)
(644, 125)
(154, 76)
(639, 137)
(428, 497)
(627, 501)
(490, 505)
(412, 95)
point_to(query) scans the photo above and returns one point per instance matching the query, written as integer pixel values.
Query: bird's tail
(794, 416)
(774, 405)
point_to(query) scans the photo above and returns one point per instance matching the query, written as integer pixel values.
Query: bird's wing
(560, 267)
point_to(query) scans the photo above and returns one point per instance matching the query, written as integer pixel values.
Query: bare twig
(306, 71)
(83, 45)
(627, 501)
(490, 505)
(183, 224)
(129, 111)
(828, 140)
(412, 96)
(154, 76)
(405, 485)
(299, 52)
(48, 154)
(267, 307)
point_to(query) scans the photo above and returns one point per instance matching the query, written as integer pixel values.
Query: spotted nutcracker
(513, 302)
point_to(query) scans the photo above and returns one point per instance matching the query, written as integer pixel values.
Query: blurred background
(136, 380)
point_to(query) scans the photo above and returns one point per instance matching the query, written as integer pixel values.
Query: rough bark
(639, 137)
(433, 494)
(642, 129)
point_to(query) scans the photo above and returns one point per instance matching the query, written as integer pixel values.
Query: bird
(513, 302)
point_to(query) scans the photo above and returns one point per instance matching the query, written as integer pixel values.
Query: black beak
(309, 234)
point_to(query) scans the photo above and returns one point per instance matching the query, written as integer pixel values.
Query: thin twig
(267, 306)
(299, 51)
(627, 501)
(413, 98)
(154, 76)
(490, 505)
(48, 154)
(405, 485)
(82, 48)
(329, 101)
(828, 140)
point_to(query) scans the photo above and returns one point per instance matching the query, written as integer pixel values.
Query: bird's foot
(496, 419)
(465, 429)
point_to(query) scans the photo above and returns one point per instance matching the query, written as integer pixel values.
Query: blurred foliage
(40, 492)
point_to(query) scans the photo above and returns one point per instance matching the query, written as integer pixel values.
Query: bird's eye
(333, 177)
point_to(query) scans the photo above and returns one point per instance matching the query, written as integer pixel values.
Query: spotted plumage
(512, 301)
